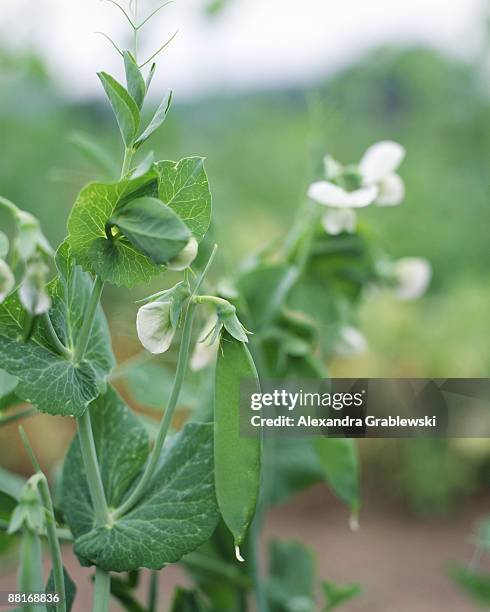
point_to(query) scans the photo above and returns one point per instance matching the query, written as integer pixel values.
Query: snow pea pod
(236, 457)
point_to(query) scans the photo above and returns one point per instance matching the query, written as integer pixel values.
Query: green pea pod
(236, 457)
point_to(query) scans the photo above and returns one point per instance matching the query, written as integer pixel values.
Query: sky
(251, 44)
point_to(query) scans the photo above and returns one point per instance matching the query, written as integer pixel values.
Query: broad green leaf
(48, 380)
(237, 458)
(340, 465)
(184, 187)
(185, 600)
(336, 595)
(474, 583)
(291, 580)
(176, 514)
(151, 227)
(157, 120)
(70, 591)
(124, 107)
(4, 245)
(117, 262)
(134, 79)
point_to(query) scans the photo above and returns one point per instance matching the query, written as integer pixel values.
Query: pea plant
(127, 500)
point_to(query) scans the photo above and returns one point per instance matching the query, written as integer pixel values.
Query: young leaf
(176, 514)
(236, 457)
(124, 107)
(158, 119)
(118, 261)
(339, 462)
(152, 227)
(150, 76)
(134, 79)
(47, 379)
(184, 187)
(70, 591)
(143, 167)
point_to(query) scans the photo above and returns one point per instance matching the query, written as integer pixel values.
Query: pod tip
(238, 554)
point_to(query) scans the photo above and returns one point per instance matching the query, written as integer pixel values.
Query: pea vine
(198, 496)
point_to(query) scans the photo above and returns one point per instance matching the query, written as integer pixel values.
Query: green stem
(94, 479)
(153, 592)
(31, 568)
(53, 337)
(102, 590)
(172, 402)
(128, 156)
(50, 523)
(88, 321)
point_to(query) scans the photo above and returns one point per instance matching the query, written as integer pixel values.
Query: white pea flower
(32, 292)
(377, 181)
(154, 326)
(204, 352)
(378, 167)
(351, 341)
(30, 237)
(184, 259)
(7, 280)
(338, 220)
(412, 276)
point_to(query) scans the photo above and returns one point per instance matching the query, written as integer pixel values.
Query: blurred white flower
(378, 182)
(378, 166)
(7, 280)
(351, 341)
(412, 276)
(184, 259)
(32, 292)
(338, 220)
(205, 353)
(154, 326)
(30, 237)
(329, 194)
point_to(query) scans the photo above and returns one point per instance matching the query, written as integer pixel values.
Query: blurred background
(244, 73)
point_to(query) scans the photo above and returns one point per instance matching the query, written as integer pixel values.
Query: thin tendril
(112, 42)
(153, 14)
(123, 12)
(159, 50)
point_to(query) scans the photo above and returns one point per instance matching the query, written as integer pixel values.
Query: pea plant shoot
(198, 496)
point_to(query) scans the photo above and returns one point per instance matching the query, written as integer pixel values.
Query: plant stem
(128, 156)
(153, 592)
(88, 321)
(53, 337)
(50, 522)
(89, 454)
(30, 571)
(102, 590)
(172, 402)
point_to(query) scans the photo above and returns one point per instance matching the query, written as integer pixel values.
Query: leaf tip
(238, 554)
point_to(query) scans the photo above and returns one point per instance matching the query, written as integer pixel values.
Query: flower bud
(154, 326)
(30, 238)
(351, 341)
(412, 277)
(7, 280)
(338, 220)
(32, 292)
(184, 259)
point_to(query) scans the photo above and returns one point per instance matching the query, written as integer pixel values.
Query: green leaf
(336, 595)
(150, 76)
(124, 107)
(184, 187)
(152, 227)
(48, 380)
(291, 578)
(185, 600)
(4, 245)
(118, 261)
(236, 457)
(157, 120)
(339, 462)
(176, 514)
(134, 79)
(8, 383)
(70, 591)
(475, 584)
